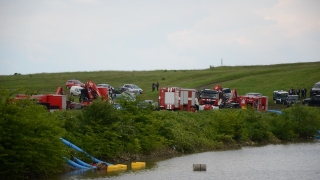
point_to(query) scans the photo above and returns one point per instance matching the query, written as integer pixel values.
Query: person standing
(290, 91)
(157, 85)
(298, 92)
(303, 93)
(153, 86)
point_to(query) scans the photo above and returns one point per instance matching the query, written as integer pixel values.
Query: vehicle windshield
(226, 90)
(209, 95)
(135, 86)
(281, 95)
(316, 85)
(78, 82)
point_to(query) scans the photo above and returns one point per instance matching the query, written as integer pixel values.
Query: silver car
(134, 87)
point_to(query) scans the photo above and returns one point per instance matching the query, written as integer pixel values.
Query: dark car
(292, 99)
(117, 106)
(315, 89)
(314, 101)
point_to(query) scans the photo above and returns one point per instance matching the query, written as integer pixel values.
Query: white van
(75, 90)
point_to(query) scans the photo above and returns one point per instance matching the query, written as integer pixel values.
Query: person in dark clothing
(157, 85)
(291, 91)
(304, 93)
(298, 92)
(153, 86)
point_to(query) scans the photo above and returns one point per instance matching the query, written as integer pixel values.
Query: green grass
(263, 79)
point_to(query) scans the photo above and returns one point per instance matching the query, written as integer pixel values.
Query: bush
(29, 141)
(305, 120)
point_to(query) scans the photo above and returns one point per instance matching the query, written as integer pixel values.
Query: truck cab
(314, 101)
(315, 89)
(280, 96)
(209, 99)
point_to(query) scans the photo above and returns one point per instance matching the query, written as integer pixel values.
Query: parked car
(134, 87)
(105, 85)
(122, 91)
(117, 106)
(291, 100)
(147, 104)
(279, 96)
(128, 90)
(75, 90)
(128, 96)
(73, 82)
(315, 90)
(314, 101)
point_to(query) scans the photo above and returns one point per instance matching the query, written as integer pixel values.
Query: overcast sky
(39, 36)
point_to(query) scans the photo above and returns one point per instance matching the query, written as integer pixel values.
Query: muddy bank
(171, 152)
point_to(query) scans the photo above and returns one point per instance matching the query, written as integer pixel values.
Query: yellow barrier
(138, 165)
(122, 166)
(117, 167)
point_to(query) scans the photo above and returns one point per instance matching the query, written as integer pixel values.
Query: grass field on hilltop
(262, 79)
(31, 144)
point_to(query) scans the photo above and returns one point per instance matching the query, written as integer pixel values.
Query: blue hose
(83, 163)
(76, 165)
(80, 150)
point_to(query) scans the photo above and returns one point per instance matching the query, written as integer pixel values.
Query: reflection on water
(284, 161)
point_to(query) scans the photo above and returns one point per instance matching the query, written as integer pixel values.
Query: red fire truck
(59, 100)
(174, 98)
(209, 99)
(215, 99)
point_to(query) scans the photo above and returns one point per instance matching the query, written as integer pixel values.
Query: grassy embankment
(263, 79)
(30, 134)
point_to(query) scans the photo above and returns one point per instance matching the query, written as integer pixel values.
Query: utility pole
(221, 62)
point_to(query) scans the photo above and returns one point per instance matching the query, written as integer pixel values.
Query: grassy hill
(263, 79)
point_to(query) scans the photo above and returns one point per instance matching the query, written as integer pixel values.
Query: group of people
(154, 86)
(303, 92)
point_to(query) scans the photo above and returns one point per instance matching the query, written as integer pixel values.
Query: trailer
(52, 102)
(255, 100)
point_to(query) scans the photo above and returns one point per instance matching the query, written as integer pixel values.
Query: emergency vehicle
(175, 98)
(255, 100)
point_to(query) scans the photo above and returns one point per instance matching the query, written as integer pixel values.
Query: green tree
(29, 142)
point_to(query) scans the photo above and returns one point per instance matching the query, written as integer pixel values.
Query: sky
(48, 36)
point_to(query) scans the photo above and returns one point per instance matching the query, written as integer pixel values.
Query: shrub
(29, 140)
(305, 120)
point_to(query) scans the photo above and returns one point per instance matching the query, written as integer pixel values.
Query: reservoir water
(293, 161)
